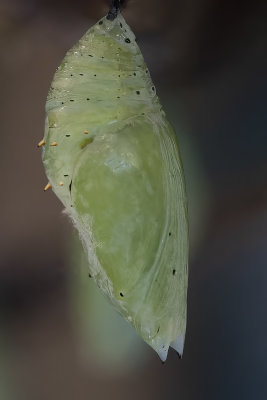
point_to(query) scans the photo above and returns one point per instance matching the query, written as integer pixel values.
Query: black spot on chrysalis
(174, 271)
(121, 294)
(137, 92)
(70, 185)
(127, 40)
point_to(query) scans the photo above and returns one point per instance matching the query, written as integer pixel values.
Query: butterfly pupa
(117, 170)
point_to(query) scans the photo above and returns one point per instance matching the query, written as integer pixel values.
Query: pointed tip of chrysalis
(178, 345)
(162, 353)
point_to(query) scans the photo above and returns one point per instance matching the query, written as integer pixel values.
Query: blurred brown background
(208, 61)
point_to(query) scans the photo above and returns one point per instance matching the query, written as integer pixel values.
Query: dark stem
(114, 9)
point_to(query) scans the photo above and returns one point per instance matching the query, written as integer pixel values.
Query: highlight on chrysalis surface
(112, 158)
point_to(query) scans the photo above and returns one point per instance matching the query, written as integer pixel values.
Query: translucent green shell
(117, 170)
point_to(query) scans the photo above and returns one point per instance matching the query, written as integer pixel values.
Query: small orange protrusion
(61, 183)
(53, 144)
(86, 132)
(42, 143)
(48, 186)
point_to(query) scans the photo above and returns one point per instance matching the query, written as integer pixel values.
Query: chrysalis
(112, 158)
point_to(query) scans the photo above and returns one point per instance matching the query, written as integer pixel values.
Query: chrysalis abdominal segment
(115, 155)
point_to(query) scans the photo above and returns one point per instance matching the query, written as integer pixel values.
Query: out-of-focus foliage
(3, 378)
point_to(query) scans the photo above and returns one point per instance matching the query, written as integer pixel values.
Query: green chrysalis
(112, 158)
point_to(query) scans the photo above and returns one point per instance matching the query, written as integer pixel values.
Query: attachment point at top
(114, 9)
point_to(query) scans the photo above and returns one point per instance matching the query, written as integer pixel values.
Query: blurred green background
(58, 337)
